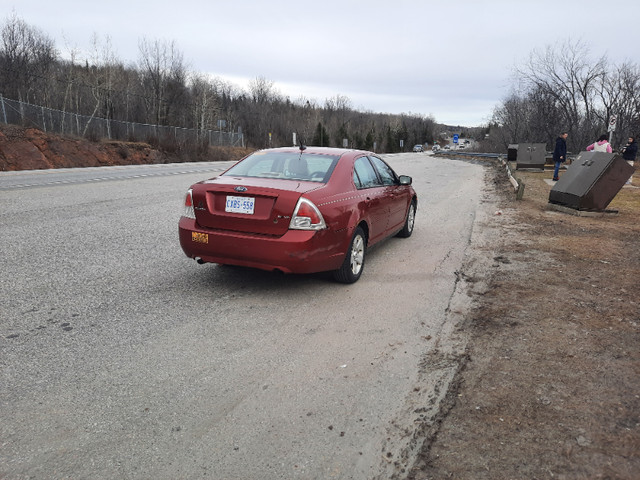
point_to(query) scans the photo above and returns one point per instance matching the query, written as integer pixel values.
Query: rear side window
(364, 175)
(386, 173)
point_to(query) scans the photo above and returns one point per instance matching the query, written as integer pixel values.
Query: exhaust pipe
(200, 261)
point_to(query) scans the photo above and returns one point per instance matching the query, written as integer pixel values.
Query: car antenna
(302, 148)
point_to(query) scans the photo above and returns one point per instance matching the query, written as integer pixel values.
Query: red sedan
(298, 210)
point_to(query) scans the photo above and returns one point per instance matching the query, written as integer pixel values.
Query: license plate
(200, 237)
(240, 205)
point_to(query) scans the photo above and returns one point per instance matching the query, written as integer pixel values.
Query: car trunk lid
(251, 205)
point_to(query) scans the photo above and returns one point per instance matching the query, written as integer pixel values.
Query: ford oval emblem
(240, 189)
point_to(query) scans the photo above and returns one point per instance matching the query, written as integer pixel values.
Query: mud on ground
(551, 385)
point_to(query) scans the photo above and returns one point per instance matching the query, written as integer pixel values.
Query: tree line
(160, 89)
(563, 88)
(560, 88)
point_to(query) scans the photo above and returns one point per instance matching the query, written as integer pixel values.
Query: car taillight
(306, 216)
(189, 212)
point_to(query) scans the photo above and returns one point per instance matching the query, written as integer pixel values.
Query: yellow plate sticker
(200, 237)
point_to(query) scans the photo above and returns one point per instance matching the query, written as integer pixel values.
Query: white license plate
(240, 205)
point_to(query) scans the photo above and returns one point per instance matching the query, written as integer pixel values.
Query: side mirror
(405, 180)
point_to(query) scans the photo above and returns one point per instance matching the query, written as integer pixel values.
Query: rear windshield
(310, 167)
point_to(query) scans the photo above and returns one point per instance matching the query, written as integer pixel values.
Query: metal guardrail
(469, 154)
(517, 183)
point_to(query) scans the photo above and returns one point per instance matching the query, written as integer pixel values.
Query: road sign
(455, 138)
(612, 122)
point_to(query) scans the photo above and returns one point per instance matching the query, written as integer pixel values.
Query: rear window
(309, 167)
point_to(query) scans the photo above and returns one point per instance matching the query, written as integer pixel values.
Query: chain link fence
(66, 123)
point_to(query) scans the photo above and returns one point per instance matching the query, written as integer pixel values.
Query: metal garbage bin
(531, 156)
(591, 181)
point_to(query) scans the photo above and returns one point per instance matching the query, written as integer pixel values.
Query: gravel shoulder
(550, 384)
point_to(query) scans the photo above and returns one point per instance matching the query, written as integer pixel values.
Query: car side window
(356, 180)
(364, 175)
(386, 173)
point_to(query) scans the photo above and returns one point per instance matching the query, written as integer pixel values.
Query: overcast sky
(449, 59)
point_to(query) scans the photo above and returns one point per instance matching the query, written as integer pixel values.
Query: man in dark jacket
(559, 154)
(629, 152)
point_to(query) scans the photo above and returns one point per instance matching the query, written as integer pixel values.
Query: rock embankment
(32, 149)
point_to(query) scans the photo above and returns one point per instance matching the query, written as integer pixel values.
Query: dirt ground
(551, 385)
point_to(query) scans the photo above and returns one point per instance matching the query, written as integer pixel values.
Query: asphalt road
(122, 358)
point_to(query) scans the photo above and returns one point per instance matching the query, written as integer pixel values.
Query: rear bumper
(297, 251)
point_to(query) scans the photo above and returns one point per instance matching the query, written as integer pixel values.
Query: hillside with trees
(160, 90)
(559, 88)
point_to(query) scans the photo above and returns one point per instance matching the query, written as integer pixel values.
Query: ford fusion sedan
(298, 210)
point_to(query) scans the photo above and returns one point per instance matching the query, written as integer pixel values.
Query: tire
(407, 230)
(353, 264)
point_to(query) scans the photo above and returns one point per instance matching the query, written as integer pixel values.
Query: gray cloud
(449, 60)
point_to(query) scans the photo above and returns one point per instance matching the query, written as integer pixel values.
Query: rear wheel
(353, 264)
(407, 230)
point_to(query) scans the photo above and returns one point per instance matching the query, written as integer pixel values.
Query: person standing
(629, 152)
(559, 154)
(601, 145)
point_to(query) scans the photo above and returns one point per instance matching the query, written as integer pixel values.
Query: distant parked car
(418, 148)
(435, 148)
(298, 210)
(447, 147)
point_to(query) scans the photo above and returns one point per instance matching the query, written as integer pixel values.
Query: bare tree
(262, 122)
(563, 88)
(262, 90)
(68, 74)
(163, 75)
(102, 72)
(337, 117)
(619, 94)
(204, 103)
(567, 76)
(26, 57)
